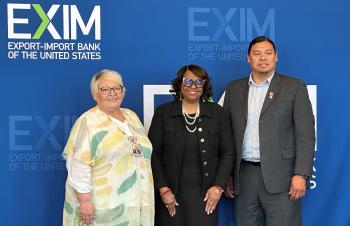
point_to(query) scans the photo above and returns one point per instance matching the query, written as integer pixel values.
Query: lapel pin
(271, 95)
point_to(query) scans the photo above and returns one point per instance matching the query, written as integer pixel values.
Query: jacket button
(202, 140)
(199, 120)
(205, 163)
(200, 129)
(204, 151)
(206, 174)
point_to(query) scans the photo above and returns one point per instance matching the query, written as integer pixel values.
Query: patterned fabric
(122, 183)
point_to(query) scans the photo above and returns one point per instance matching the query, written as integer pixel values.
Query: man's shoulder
(287, 79)
(238, 82)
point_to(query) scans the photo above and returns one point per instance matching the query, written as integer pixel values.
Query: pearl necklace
(184, 113)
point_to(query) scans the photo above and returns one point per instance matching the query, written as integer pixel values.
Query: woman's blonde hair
(105, 74)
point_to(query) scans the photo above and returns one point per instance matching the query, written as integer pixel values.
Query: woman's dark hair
(197, 71)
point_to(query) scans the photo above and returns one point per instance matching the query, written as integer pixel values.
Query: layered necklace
(190, 120)
(128, 132)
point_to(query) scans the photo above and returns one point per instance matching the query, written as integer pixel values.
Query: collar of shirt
(267, 81)
(123, 126)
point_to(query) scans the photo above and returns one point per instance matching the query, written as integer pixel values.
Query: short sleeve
(78, 144)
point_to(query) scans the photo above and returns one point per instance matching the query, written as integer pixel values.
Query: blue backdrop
(50, 49)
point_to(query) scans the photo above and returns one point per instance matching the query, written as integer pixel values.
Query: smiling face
(191, 93)
(262, 59)
(109, 95)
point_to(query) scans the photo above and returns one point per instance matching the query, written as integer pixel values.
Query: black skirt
(191, 209)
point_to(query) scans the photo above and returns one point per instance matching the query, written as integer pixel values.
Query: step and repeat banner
(49, 51)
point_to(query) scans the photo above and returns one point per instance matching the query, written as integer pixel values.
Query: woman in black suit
(192, 152)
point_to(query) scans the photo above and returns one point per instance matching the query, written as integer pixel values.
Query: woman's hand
(212, 198)
(229, 188)
(86, 209)
(169, 200)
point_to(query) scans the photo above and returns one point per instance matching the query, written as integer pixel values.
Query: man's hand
(297, 187)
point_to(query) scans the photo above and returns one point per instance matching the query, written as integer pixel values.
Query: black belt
(251, 163)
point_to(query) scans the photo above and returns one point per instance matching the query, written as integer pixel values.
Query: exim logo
(71, 20)
(237, 24)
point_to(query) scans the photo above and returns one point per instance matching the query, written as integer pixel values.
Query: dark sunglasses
(189, 82)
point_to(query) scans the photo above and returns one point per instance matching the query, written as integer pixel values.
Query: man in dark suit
(274, 140)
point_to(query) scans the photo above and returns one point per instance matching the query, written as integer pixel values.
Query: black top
(214, 139)
(190, 177)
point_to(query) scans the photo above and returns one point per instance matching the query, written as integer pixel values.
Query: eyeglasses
(106, 90)
(189, 82)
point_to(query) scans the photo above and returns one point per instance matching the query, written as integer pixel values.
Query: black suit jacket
(167, 134)
(286, 130)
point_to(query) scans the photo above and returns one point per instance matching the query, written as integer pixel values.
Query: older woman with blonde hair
(108, 155)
